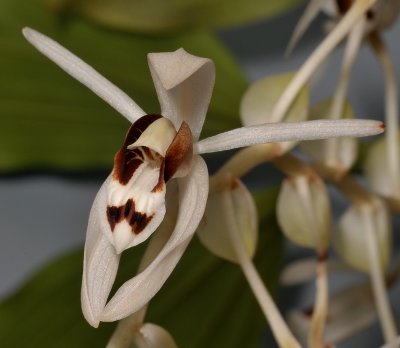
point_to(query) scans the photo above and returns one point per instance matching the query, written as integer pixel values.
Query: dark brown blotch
(114, 215)
(127, 161)
(138, 221)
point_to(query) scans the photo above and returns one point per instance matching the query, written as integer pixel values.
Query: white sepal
(184, 85)
(85, 74)
(213, 229)
(100, 263)
(345, 148)
(136, 292)
(278, 132)
(303, 212)
(311, 11)
(350, 237)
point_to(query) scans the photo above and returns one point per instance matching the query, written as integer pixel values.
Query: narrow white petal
(85, 74)
(311, 11)
(100, 263)
(184, 84)
(278, 132)
(136, 292)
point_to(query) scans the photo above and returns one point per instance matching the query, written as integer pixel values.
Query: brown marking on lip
(114, 215)
(127, 161)
(344, 5)
(180, 151)
(137, 220)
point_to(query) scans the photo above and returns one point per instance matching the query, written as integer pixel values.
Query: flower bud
(216, 227)
(379, 173)
(259, 101)
(303, 211)
(350, 237)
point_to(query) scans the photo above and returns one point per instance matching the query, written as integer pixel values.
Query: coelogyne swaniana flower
(158, 149)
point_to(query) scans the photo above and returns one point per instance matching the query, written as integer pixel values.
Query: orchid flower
(159, 149)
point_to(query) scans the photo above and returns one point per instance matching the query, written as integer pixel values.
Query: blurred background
(58, 140)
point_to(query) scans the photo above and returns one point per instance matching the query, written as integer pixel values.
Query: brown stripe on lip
(127, 161)
(138, 221)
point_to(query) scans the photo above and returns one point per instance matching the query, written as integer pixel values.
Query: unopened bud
(303, 211)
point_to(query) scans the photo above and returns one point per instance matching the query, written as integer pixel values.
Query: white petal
(184, 85)
(278, 132)
(85, 74)
(311, 11)
(100, 261)
(213, 230)
(136, 292)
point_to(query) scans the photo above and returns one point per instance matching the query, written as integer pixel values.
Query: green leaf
(50, 120)
(159, 16)
(205, 303)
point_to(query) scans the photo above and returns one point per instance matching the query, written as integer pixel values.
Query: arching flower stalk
(304, 215)
(160, 151)
(382, 165)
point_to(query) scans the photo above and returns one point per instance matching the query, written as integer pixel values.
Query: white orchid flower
(130, 205)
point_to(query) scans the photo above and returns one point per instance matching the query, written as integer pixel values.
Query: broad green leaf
(50, 120)
(159, 16)
(205, 303)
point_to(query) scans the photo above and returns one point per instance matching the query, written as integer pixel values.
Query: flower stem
(377, 278)
(318, 321)
(278, 326)
(318, 56)
(392, 115)
(353, 44)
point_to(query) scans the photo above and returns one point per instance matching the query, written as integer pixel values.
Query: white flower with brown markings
(159, 148)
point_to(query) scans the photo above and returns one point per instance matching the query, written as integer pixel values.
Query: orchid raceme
(159, 149)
